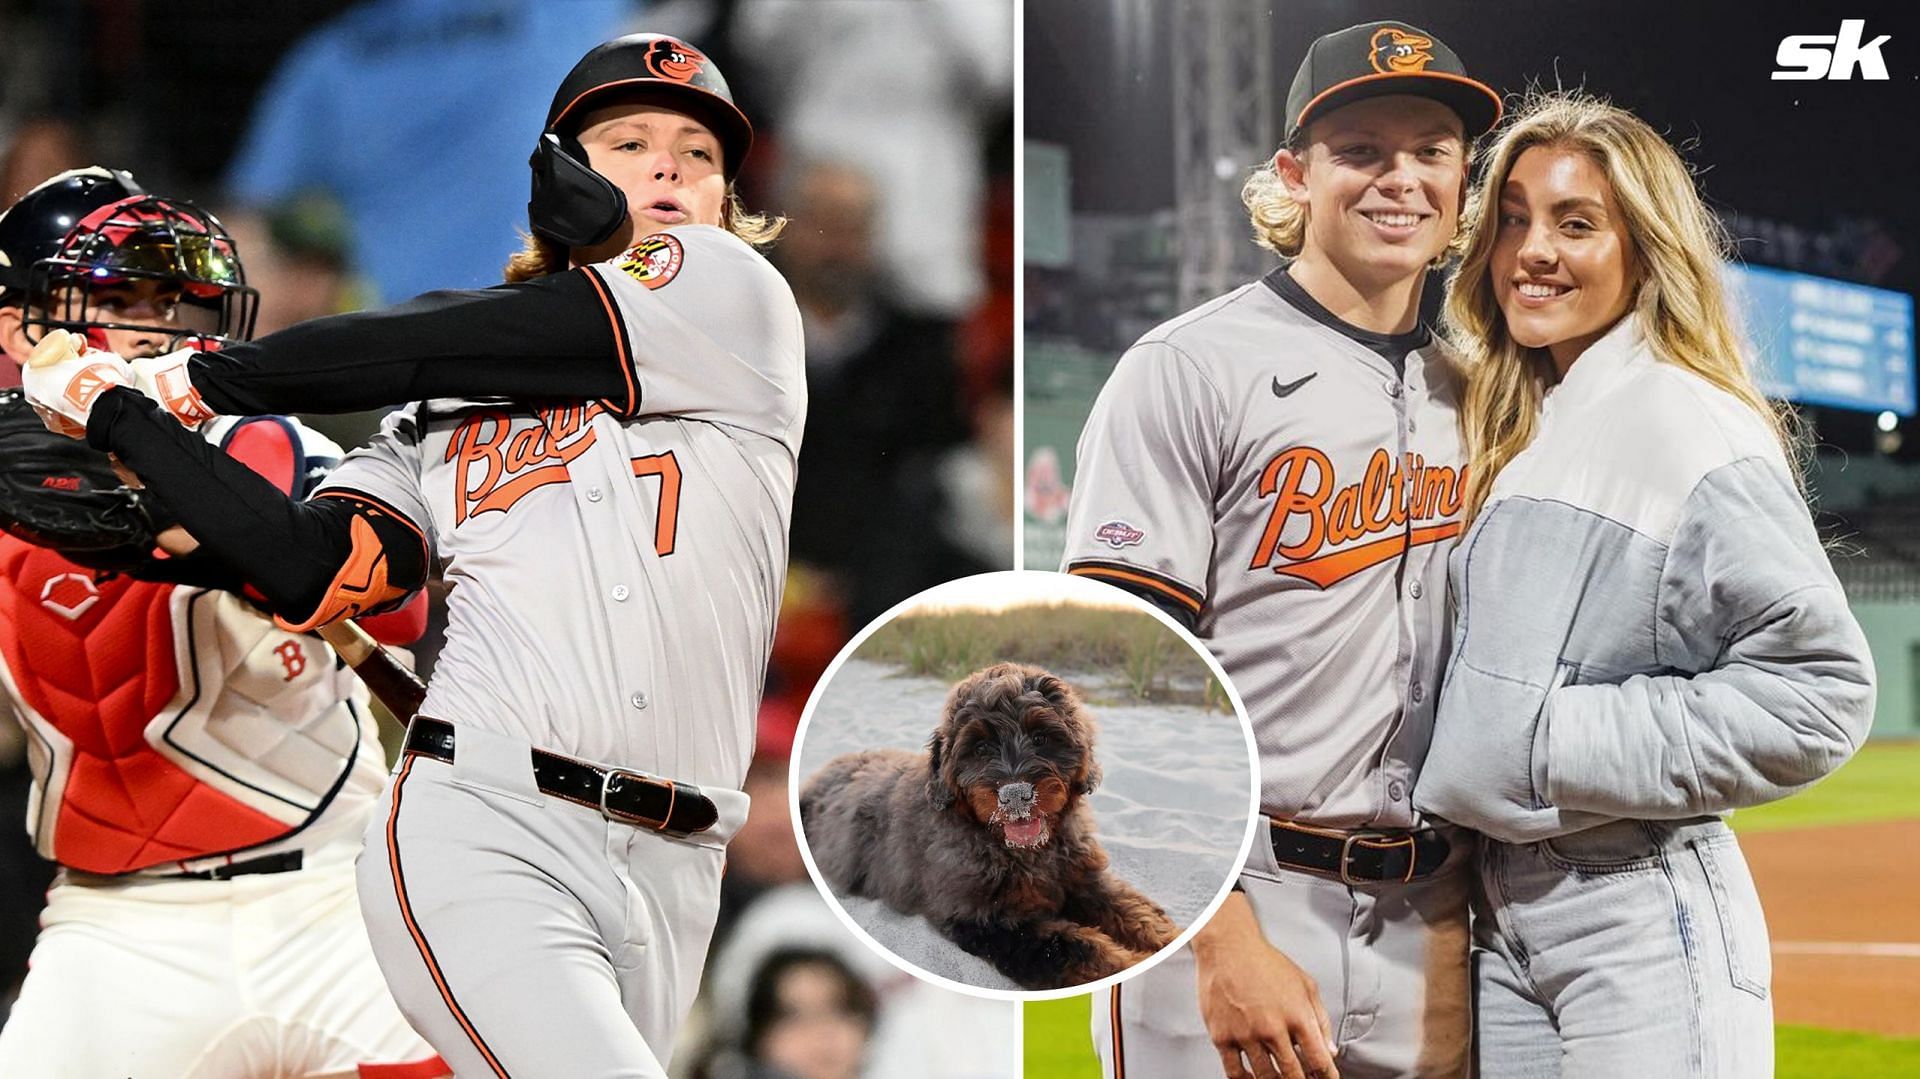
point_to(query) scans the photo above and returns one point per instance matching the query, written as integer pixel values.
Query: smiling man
(1280, 469)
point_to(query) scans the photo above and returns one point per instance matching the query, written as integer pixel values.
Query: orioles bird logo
(1396, 52)
(674, 61)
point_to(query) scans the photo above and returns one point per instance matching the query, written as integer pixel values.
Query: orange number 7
(664, 466)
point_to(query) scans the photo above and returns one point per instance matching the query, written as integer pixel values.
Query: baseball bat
(397, 687)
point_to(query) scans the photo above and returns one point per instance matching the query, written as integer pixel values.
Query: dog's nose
(1017, 798)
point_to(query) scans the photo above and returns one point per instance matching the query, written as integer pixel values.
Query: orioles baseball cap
(1379, 58)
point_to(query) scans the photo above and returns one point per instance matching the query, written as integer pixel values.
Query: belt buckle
(1386, 842)
(606, 784)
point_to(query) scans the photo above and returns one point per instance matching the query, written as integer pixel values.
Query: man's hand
(1257, 1004)
(176, 541)
(164, 378)
(63, 377)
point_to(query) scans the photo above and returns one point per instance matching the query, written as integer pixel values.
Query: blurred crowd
(364, 153)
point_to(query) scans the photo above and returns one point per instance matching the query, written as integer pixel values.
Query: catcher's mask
(203, 287)
(573, 205)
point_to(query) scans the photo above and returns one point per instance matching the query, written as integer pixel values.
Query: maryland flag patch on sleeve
(654, 260)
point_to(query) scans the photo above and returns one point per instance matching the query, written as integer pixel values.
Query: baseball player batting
(200, 774)
(601, 456)
(1280, 468)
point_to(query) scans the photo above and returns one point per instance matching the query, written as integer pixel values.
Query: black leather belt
(627, 797)
(284, 862)
(1358, 857)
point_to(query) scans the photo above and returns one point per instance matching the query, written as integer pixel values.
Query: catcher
(200, 775)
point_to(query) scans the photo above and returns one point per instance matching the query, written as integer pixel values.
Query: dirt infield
(1827, 890)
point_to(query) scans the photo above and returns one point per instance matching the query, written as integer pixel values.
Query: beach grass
(1116, 656)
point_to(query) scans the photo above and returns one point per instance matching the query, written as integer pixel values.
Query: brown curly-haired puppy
(988, 834)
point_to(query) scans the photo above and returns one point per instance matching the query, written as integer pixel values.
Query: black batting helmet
(571, 204)
(34, 227)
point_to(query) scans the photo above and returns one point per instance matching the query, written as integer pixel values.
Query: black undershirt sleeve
(1178, 612)
(554, 337)
(289, 551)
(1181, 603)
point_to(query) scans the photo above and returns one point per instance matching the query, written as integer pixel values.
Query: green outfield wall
(1893, 632)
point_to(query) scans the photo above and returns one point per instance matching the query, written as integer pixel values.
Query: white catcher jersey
(617, 565)
(1261, 467)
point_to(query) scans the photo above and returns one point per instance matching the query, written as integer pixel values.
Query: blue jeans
(1636, 949)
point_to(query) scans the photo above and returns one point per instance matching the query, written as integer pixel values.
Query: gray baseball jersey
(616, 569)
(1292, 485)
(616, 576)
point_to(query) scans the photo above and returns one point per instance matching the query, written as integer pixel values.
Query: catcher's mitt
(61, 493)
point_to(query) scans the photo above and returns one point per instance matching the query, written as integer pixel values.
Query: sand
(1171, 810)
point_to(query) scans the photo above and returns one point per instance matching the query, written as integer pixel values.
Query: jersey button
(639, 700)
(1414, 590)
(1395, 791)
(620, 593)
(1393, 388)
(1419, 694)
(593, 494)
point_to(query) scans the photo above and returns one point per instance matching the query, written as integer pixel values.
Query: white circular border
(1106, 594)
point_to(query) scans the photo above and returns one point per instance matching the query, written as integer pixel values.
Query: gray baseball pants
(527, 936)
(1390, 961)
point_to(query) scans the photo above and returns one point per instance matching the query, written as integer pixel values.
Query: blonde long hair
(1279, 223)
(1681, 304)
(539, 256)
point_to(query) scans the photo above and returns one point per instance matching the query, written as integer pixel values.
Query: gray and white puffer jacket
(1646, 625)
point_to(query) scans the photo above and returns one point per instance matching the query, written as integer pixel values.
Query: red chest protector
(103, 676)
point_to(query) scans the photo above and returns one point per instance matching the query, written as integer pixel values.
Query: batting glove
(164, 378)
(63, 378)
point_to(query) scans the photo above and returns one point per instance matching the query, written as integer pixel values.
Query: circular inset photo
(1024, 783)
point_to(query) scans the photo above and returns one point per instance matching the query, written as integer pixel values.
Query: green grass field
(1878, 784)
(1882, 782)
(1059, 1046)
(1812, 1053)
(1058, 1040)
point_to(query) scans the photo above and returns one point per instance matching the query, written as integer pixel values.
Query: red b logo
(291, 658)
